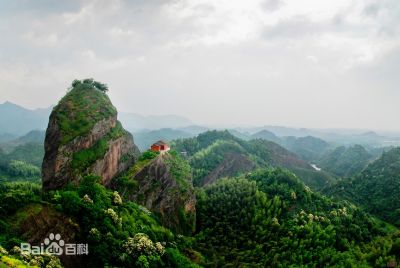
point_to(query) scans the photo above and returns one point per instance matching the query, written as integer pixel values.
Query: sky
(309, 63)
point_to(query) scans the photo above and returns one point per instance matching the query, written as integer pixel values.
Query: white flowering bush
(3, 251)
(54, 263)
(114, 216)
(141, 244)
(94, 233)
(160, 248)
(117, 198)
(23, 259)
(87, 199)
(16, 250)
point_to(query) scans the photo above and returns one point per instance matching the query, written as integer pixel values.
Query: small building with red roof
(160, 146)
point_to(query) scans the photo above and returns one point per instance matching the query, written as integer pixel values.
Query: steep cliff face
(164, 186)
(84, 136)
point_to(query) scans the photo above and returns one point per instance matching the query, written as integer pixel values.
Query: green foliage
(174, 258)
(31, 153)
(345, 161)
(142, 162)
(377, 188)
(282, 223)
(148, 155)
(14, 195)
(89, 83)
(209, 150)
(179, 169)
(15, 258)
(83, 106)
(165, 184)
(112, 228)
(231, 207)
(203, 140)
(87, 157)
(22, 163)
(21, 169)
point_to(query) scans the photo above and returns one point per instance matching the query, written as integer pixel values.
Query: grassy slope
(79, 110)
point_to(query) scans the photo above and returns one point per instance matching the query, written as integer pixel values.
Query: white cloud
(281, 62)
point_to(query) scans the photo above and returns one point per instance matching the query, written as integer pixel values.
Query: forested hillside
(377, 188)
(217, 154)
(213, 200)
(279, 220)
(345, 161)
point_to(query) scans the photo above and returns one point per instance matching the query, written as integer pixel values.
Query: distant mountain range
(337, 136)
(136, 122)
(16, 120)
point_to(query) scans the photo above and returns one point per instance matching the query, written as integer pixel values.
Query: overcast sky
(308, 63)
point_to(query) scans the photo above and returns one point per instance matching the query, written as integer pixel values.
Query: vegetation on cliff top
(85, 104)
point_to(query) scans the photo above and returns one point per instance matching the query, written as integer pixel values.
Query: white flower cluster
(340, 212)
(87, 199)
(3, 251)
(307, 189)
(141, 244)
(114, 216)
(44, 260)
(305, 218)
(275, 221)
(117, 198)
(16, 250)
(94, 232)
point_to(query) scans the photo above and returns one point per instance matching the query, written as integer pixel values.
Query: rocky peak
(84, 136)
(163, 184)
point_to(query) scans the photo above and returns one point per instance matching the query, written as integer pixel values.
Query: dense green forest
(345, 161)
(211, 152)
(23, 162)
(269, 218)
(213, 200)
(261, 217)
(376, 189)
(264, 218)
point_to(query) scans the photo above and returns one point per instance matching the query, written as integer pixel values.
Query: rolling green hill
(345, 161)
(218, 154)
(282, 224)
(377, 188)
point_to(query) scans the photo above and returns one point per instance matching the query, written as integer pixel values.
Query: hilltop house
(160, 146)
